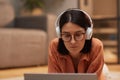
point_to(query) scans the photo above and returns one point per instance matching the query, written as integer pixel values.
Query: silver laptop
(60, 76)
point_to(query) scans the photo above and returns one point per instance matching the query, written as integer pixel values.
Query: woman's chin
(74, 52)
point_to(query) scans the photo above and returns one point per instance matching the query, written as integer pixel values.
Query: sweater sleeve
(96, 59)
(53, 66)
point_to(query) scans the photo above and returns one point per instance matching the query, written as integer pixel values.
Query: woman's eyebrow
(65, 32)
(80, 31)
(75, 32)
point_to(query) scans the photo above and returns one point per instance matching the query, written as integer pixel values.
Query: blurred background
(27, 27)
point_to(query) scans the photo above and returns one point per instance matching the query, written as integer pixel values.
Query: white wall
(51, 5)
(61, 6)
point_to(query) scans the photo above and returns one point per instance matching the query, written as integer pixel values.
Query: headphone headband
(89, 30)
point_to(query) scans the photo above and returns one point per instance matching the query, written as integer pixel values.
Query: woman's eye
(66, 35)
(78, 34)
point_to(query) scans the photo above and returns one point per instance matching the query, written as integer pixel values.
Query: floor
(114, 72)
(17, 72)
(113, 67)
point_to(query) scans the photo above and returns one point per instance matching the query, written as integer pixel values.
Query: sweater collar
(82, 58)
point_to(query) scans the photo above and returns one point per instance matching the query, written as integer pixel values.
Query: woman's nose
(72, 39)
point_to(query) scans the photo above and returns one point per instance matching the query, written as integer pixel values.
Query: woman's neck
(75, 60)
(75, 56)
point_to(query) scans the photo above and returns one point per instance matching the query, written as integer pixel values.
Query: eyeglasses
(78, 36)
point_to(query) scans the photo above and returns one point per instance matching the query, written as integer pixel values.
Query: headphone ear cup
(89, 33)
(58, 31)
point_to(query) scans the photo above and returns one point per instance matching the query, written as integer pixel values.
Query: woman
(75, 50)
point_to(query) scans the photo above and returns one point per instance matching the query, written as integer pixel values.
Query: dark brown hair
(77, 17)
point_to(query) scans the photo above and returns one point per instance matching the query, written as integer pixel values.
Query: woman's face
(74, 37)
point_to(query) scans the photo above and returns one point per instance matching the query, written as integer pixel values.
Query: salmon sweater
(91, 62)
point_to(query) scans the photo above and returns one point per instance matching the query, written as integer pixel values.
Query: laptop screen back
(60, 76)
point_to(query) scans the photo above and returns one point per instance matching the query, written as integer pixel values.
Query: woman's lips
(73, 46)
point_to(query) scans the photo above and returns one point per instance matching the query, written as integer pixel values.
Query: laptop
(60, 76)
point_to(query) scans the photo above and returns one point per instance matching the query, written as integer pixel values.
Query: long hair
(77, 17)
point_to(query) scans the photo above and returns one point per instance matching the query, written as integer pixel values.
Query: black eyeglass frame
(70, 36)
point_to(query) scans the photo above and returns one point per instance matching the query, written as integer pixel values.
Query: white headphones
(89, 30)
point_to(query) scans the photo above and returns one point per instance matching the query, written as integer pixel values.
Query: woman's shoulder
(97, 45)
(53, 46)
(97, 48)
(54, 41)
(96, 42)
(53, 51)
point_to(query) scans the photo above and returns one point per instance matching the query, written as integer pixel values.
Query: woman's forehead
(72, 27)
